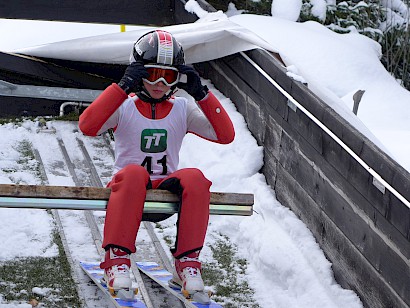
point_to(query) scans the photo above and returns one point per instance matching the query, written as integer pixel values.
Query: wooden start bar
(95, 198)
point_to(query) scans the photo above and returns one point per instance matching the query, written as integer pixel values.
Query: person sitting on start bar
(148, 130)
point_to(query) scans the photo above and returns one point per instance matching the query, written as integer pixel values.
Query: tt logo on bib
(153, 140)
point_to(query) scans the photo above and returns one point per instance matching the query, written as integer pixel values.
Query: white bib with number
(153, 144)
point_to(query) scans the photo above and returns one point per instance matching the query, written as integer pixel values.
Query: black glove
(133, 76)
(193, 85)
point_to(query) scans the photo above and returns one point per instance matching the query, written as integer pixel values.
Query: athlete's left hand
(193, 86)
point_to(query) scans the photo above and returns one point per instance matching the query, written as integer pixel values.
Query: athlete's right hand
(133, 76)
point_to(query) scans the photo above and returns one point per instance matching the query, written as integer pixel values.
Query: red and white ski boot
(187, 276)
(117, 271)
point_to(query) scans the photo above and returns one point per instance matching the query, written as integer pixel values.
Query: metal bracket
(379, 185)
(292, 105)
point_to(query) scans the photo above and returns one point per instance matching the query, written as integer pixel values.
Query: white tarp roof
(201, 41)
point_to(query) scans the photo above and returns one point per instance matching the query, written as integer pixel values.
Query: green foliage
(51, 275)
(396, 54)
(370, 18)
(14, 120)
(72, 116)
(306, 12)
(227, 274)
(360, 16)
(262, 7)
(348, 15)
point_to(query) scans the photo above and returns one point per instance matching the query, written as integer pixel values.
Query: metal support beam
(100, 205)
(53, 93)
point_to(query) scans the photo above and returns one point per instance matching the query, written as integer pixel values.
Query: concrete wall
(364, 232)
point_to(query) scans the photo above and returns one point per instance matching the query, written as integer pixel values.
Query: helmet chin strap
(144, 95)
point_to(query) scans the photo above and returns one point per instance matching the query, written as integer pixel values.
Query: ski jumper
(148, 138)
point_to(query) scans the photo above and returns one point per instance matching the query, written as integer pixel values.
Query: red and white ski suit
(147, 142)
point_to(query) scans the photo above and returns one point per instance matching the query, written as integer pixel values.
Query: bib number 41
(147, 164)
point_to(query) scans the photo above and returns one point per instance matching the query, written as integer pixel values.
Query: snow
(397, 12)
(34, 228)
(41, 291)
(319, 8)
(286, 266)
(288, 10)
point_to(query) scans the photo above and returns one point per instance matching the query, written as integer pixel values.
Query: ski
(122, 298)
(161, 276)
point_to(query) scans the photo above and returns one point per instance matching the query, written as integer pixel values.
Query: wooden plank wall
(363, 232)
(136, 12)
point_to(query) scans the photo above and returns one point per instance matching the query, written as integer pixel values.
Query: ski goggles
(167, 74)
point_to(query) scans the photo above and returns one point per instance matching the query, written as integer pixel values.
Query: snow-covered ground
(286, 267)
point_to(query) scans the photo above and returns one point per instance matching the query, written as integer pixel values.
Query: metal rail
(56, 93)
(56, 215)
(90, 219)
(96, 181)
(100, 205)
(152, 294)
(88, 215)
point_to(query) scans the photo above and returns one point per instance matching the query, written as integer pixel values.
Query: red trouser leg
(193, 188)
(125, 207)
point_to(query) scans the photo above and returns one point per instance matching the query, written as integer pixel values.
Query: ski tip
(200, 297)
(127, 295)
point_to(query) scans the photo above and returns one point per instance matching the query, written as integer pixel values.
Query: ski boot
(187, 277)
(117, 273)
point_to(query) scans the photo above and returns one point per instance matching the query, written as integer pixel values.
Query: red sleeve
(218, 118)
(93, 118)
